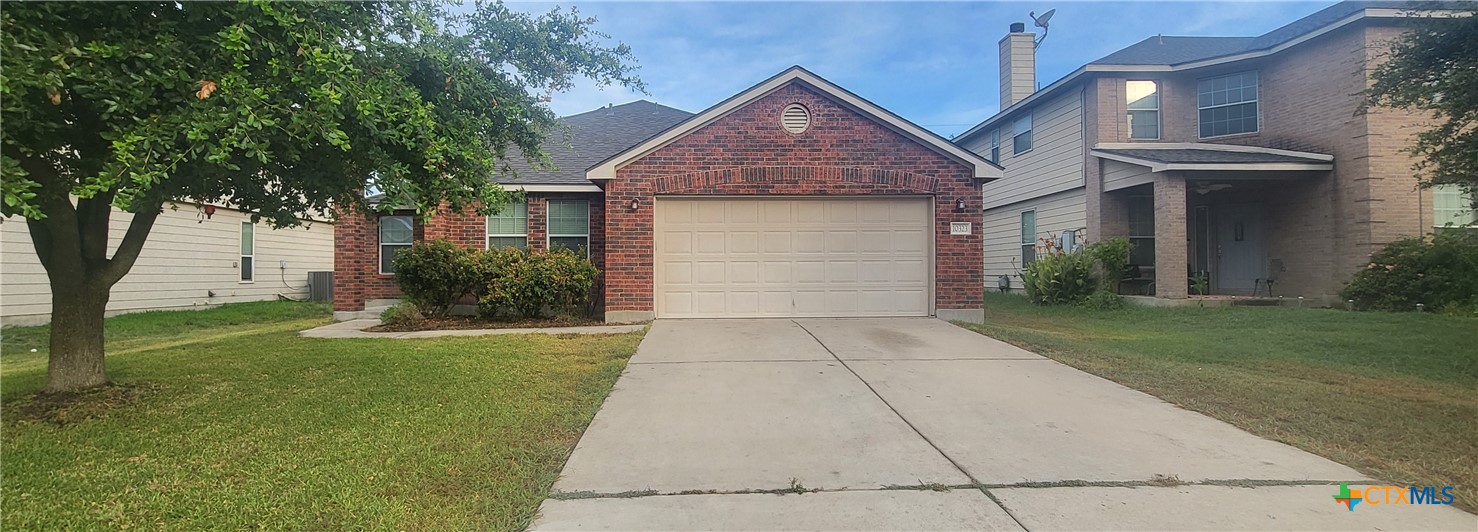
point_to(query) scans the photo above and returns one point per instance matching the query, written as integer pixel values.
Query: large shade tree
(1433, 69)
(282, 110)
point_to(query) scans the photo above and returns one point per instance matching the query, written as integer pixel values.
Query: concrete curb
(356, 329)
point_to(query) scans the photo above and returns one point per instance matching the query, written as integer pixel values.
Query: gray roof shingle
(593, 137)
(1177, 50)
(1208, 156)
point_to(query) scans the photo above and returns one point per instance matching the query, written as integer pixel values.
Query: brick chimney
(1018, 65)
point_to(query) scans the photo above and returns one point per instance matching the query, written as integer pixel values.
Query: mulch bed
(474, 322)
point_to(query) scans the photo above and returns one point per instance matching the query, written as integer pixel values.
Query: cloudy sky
(933, 63)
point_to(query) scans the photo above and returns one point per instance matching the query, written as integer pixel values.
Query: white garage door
(728, 258)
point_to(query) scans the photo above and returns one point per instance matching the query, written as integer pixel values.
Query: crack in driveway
(974, 481)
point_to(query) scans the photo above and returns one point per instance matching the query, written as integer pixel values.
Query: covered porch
(1216, 220)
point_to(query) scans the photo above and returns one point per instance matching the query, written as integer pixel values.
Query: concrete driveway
(915, 424)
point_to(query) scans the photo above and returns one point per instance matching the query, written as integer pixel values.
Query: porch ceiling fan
(1207, 188)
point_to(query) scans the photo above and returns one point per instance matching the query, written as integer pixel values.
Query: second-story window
(1021, 135)
(1144, 109)
(1227, 105)
(995, 146)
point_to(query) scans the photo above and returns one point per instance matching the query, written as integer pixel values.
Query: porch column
(1170, 236)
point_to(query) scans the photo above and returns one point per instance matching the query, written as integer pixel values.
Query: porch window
(1028, 237)
(995, 146)
(396, 233)
(1144, 109)
(1227, 105)
(1142, 231)
(1451, 206)
(569, 225)
(1021, 135)
(509, 228)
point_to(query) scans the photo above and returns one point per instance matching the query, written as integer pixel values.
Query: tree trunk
(76, 359)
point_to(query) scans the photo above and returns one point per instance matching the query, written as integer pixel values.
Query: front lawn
(1394, 395)
(225, 419)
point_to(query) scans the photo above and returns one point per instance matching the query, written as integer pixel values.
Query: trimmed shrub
(1440, 273)
(401, 314)
(434, 275)
(527, 285)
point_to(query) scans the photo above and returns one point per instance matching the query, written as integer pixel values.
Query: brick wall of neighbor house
(747, 153)
(1322, 226)
(357, 277)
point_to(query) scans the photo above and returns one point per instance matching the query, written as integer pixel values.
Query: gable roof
(593, 136)
(980, 167)
(1164, 54)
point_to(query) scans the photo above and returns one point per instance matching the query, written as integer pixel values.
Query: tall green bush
(1440, 273)
(526, 285)
(1059, 278)
(1112, 258)
(434, 275)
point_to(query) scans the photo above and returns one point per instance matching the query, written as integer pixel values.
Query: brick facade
(843, 153)
(1320, 227)
(357, 278)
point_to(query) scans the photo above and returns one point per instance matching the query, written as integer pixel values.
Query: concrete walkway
(915, 424)
(356, 329)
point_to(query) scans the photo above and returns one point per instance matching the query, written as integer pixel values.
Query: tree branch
(133, 243)
(93, 215)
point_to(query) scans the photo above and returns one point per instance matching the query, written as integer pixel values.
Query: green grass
(226, 419)
(1393, 395)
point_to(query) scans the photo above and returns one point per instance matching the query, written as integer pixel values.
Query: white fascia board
(555, 187)
(982, 168)
(1209, 147)
(1250, 167)
(1157, 166)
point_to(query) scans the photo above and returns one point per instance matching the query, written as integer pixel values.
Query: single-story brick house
(792, 198)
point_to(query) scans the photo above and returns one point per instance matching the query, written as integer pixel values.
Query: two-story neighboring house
(1242, 160)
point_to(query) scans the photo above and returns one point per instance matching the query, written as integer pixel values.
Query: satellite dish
(1041, 22)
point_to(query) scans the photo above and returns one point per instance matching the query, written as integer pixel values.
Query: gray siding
(185, 259)
(1118, 175)
(1055, 162)
(1002, 230)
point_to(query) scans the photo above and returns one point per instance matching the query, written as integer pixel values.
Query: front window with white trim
(1028, 237)
(1021, 135)
(1451, 207)
(248, 251)
(995, 146)
(1227, 105)
(1144, 108)
(396, 233)
(569, 225)
(510, 227)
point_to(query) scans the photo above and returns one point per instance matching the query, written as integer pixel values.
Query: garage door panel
(709, 242)
(677, 272)
(910, 242)
(844, 241)
(776, 242)
(746, 272)
(793, 257)
(677, 242)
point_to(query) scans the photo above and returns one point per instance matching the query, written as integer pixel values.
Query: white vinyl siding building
(1055, 161)
(188, 262)
(1002, 230)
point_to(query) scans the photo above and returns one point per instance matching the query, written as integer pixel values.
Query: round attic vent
(795, 118)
